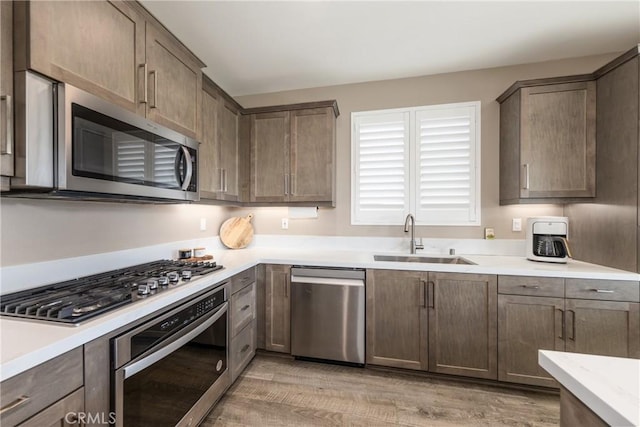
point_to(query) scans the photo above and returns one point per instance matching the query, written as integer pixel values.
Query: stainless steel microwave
(70, 143)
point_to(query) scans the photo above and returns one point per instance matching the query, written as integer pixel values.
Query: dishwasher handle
(326, 281)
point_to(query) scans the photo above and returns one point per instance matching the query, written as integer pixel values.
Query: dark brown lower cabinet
(396, 323)
(463, 324)
(527, 324)
(575, 413)
(606, 328)
(277, 308)
(66, 412)
(441, 322)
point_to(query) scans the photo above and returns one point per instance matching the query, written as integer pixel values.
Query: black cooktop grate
(76, 300)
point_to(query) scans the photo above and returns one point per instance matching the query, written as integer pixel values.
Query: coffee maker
(546, 239)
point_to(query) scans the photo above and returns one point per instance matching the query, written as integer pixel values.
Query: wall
(40, 230)
(483, 85)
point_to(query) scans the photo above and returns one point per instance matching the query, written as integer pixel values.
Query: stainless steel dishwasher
(327, 314)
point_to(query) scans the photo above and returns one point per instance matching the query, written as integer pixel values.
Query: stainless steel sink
(425, 259)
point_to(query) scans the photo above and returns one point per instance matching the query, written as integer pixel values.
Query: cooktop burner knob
(173, 276)
(153, 284)
(186, 274)
(163, 280)
(143, 289)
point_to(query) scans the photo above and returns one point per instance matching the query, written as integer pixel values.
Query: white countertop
(609, 386)
(24, 344)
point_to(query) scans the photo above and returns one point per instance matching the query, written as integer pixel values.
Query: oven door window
(108, 149)
(161, 394)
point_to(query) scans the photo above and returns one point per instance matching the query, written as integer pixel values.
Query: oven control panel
(165, 327)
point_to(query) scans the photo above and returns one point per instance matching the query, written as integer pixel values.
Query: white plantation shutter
(447, 189)
(422, 160)
(380, 181)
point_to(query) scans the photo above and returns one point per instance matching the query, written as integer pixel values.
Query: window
(421, 160)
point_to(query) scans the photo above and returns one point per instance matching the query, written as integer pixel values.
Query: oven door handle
(163, 352)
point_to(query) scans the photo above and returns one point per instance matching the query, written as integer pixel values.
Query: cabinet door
(6, 93)
(229, 140)
(463, 324)
(607, 328)
(312, 155)
(558, 140)
(396, 327)
(526, 325)
(95, 45)
(174, 83)
(278, 308)
(270, 134)
(210, 178)
(63, 413)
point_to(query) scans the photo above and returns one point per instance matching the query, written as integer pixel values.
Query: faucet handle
(419, 245)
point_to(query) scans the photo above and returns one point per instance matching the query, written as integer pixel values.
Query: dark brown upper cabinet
(293, 154)
(548, 140)
(115, 50)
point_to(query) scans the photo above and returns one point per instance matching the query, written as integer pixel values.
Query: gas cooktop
(77, 300)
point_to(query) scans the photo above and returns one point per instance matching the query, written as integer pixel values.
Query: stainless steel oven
(71, 143)
(171, 370)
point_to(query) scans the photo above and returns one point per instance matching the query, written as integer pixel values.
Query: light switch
(516, 224)
(203, 224)
(285, 223)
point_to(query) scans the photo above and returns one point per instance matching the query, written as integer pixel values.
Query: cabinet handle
(224, 175)
(292, 178)
(245, 348)
(145, 90)
(245, 307)
(7, 147)
(15, 404)
(432, 295)
(286, 184)
(221, 186)
(525, 168)
(573, 325)
(286, 289)
(531, 286)
(603, 291)
(562, 324)
(423, 294)
(155, 89)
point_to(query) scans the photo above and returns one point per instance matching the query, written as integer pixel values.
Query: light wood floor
(277, 391)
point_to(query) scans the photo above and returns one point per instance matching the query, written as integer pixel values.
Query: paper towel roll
(303, 212)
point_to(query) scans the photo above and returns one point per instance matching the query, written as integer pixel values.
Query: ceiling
(253, 47)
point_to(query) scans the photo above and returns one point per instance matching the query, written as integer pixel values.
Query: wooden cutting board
(237, 232)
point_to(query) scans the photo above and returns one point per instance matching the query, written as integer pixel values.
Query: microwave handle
(183, 154)
(163, 352)
(189, 173)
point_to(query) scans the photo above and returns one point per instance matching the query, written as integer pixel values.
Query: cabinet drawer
(607, 290)
(39, 387)
(534, 286)
(243, 348)
(243, 308)
(60, 412)
(243, 279)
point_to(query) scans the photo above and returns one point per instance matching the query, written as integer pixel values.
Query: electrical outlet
(516, 224)
(285, 223)
(203, 224)
(489, 234)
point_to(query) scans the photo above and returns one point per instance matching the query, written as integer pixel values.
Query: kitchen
(103, 236)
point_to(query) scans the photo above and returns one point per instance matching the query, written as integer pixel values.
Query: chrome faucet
(410, 221)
